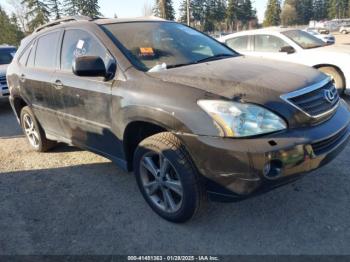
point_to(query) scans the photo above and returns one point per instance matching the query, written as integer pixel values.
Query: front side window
(304, 39)
(80, 43)
(239, 43)
(150, 45)
(268, 43)
(6, 56)
(46, 51)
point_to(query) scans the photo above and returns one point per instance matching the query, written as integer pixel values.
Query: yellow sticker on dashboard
(146, 51)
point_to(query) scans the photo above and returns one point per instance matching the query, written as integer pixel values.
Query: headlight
(242, 120)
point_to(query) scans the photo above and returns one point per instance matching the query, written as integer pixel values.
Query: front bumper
(242, 166)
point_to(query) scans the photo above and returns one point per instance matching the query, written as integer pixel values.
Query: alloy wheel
(30, 130)
(161, 182)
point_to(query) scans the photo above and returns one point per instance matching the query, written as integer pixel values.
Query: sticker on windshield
(146, 51)
(80, 44)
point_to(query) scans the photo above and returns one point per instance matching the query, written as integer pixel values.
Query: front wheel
(167, 178)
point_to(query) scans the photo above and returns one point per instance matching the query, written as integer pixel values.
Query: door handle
(58, 84)
(22, 78)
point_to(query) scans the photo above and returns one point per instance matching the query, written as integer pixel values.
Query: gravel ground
(71, 201)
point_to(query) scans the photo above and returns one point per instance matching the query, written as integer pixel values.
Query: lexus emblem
(330, 95)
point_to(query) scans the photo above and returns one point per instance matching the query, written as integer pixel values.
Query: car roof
(268, 30)
(104, 21)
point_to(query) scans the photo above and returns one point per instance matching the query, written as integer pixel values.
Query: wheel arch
(18, 104)
(341, 73)
(135, 132)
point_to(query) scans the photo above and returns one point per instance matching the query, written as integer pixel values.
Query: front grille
(317, 100)
(3, 81)
(327, 144)
(3, 86)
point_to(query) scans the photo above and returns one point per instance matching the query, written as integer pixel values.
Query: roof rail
(64, 20)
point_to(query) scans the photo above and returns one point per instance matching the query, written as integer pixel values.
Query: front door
(84, 107)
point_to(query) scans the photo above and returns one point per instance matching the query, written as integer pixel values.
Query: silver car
(345, 29)
(6, 55)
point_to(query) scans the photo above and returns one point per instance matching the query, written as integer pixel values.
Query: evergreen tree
(10, 30)
(55, 8)
(89, 8)
(320, 9)
(272, 14)
(164, 9)
(71, 7)
(38, 13)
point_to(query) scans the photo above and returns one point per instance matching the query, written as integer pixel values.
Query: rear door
(84, 107)
(37, 79)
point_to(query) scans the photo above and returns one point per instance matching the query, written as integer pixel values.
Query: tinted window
(80, 43)
(239, 43)
(6, 56)
(46, 50)
(154, 45)
(268, 43)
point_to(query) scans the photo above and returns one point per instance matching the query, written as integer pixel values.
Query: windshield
(154, 46)
(6, 56)
(304, 39)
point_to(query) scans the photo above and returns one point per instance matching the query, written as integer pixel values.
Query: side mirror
(89, 66)
(288, 50)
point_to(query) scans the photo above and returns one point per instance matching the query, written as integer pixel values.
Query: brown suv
(187, 114)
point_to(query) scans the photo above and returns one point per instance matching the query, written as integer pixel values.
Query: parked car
(297, 46)
(6, 55)
(345, 29)
(328, 39)
(188, 115)
(320, 30)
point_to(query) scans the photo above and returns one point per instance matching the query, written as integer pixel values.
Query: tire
(344, 32)
(338, 79)
(33, 131)
(180, 171)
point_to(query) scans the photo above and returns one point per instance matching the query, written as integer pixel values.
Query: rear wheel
(167, 178)
(33, 131)
(344, 32)
(338, 79)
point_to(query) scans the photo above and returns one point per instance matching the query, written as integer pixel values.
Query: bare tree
(147, 8)
(20, 10)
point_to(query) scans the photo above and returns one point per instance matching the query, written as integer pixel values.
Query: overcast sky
(132, 8)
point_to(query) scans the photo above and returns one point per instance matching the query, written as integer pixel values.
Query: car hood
(3, 69)
(332, 49)
(251, 79)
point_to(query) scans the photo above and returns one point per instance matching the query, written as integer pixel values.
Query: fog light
(273, 169)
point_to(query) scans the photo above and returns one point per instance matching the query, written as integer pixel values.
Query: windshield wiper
(179, 65)
(214, 57)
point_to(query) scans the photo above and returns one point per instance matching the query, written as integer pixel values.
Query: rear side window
(80, 43)
(239, 43)
(269, 43)
(46, 51)
(24, 57)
